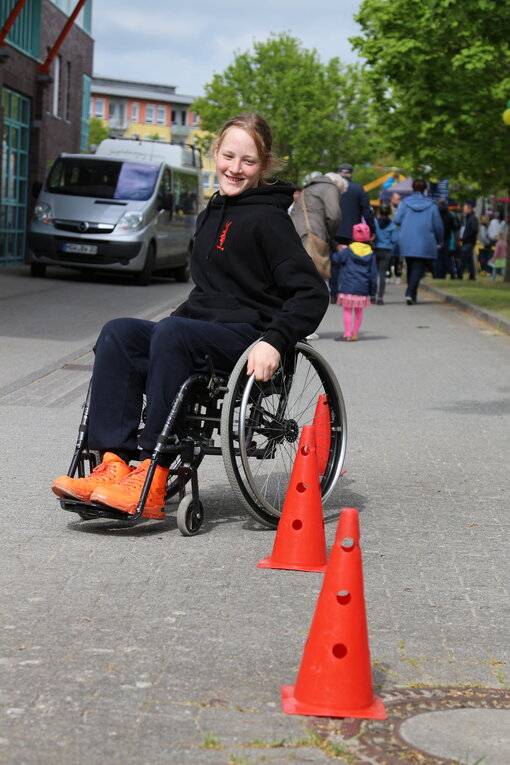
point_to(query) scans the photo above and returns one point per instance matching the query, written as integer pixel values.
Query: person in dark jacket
(385, 240)
(357, 281)
(420, 235)
(442, 266)
(253, 282)
(469, 236)
(355, 207)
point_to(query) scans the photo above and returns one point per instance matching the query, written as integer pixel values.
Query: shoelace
(136, 477)
(103, 467)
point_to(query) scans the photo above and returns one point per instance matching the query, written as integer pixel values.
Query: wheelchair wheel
(189, 521)
(261, 425)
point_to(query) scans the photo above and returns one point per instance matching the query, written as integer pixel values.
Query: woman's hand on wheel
(263, 360)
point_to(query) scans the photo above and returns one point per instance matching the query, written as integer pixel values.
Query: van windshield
(104, 179)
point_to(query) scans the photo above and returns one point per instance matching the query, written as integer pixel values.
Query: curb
(497, 321)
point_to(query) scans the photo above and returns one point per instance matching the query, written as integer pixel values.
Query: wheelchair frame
(251, 432)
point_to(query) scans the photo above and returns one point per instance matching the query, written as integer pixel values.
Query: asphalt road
(138, 645)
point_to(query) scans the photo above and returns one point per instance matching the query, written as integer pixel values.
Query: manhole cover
(379, 742)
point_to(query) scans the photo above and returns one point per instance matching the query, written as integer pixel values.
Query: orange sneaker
(125, 494)
(111, 470)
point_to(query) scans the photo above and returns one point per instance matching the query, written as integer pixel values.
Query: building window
(161, 118)
(99, 108)
(134, 112)
(183, 117)
(85, 111)
(67, 102)
(57, 65)
(149, 114)
(174, 117)
(196, 120)
(25, 32)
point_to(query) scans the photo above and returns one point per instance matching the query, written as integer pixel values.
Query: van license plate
(83, 249)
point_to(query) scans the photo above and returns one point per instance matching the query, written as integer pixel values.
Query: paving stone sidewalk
(137, 645)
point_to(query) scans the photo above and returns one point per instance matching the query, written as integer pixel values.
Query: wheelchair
(254, 426)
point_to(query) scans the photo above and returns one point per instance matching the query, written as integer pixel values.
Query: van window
(185, 193)
(104, 179)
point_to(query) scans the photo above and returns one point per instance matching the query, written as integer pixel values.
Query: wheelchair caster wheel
(189, 521)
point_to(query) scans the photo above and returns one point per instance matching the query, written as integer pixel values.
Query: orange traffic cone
(335, 678)
(322, 428)
(300, 543)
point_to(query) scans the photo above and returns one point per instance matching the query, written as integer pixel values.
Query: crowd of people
(414, 233)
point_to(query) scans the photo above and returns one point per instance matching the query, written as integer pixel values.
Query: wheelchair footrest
(88, 511)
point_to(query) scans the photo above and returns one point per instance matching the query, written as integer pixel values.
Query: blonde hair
(258, 128)
(502, 235)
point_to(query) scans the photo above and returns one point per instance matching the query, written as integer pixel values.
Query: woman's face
(238, 166)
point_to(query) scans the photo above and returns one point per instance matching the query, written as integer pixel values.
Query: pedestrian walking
(442, 266)
(316, 215)
(420, 235)
(385, 240)
(357, 281)
(253, 282)
(469, 237)
(355, 207)
(498, 262)
(485, 249)
(496, 226)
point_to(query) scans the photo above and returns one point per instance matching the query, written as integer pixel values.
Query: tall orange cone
(322, 428)
(335, 678)
(300, 543)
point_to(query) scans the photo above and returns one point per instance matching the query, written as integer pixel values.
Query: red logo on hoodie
(223, 236)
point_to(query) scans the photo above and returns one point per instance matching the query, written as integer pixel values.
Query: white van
(131, 207)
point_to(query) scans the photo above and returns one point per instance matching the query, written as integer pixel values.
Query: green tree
(318, 112)
(97, 132)
(439, 72)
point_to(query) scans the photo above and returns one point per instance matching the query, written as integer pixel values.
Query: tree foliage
(318, 112)
(439, 72)
(97, 132)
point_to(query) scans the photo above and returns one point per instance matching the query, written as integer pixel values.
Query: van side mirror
(36, 189)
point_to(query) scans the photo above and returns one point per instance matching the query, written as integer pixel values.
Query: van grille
(83, 227)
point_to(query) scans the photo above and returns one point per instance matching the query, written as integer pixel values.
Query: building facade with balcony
(131, 109)
(46, 52)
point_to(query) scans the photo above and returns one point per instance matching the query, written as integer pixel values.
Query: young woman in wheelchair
(253, 281)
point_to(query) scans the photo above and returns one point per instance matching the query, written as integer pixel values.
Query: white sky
(160, 41)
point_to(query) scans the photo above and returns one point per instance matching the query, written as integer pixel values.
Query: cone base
(291, 706)
(269, 563)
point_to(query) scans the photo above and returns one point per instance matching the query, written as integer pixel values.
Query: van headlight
(130, 221)
(42, 213)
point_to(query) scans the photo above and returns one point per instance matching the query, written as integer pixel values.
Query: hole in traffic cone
(335, 676)
(300, 542)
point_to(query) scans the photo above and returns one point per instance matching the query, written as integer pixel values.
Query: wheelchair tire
(261, 424)
(188, 522)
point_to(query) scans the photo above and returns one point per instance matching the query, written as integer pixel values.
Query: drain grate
(377, 742)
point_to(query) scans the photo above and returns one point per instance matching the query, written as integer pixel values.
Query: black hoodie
(249, 265)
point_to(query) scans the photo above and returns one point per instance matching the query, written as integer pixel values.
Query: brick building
(45, 73)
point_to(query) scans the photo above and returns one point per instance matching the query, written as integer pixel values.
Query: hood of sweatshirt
(418, 202)
(275, 193)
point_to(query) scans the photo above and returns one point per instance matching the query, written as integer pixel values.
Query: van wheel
(143, 277)
(38, 269)
(182, 273)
